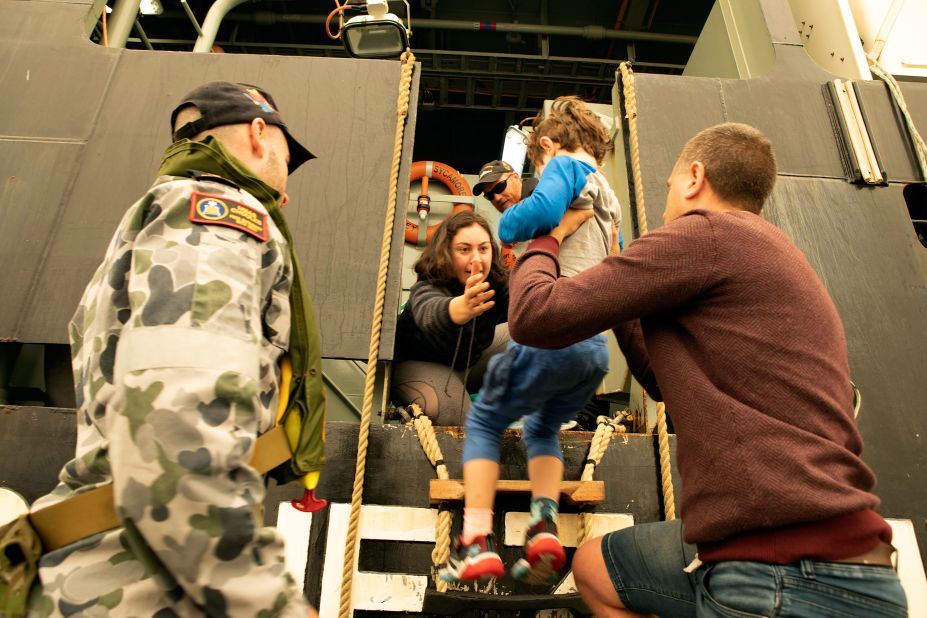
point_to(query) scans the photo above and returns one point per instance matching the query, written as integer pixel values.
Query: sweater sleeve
(631, 341)
(429, 305)
(561, 183)
(656, 273)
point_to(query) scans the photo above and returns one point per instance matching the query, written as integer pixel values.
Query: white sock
(476, 522)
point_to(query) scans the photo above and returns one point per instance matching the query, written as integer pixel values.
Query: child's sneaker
(544, 554)
(478, 560)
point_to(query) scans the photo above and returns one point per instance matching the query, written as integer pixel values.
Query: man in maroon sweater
(722, 317)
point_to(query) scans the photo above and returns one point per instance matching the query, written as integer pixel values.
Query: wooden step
(573, 492)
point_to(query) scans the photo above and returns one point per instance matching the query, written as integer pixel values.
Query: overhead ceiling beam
(595, 32)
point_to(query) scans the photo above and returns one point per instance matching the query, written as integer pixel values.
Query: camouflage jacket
(175, 350)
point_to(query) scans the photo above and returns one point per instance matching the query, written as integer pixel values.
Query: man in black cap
(502, 185)
(177, 347)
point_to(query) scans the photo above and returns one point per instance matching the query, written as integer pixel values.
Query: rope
(600, 441)
(630, 105)
(666, 472)
(426, 435)
(402, 110)
(920, 149)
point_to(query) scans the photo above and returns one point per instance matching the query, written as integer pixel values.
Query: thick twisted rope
(426, 435)
(630, 105)
(402, 111)
(666, 471)
(630, 109)
(604, 430)
(920, 148)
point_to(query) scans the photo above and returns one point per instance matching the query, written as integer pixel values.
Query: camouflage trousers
(102, 577)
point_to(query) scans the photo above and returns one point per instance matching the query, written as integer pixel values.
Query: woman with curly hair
(453, 321)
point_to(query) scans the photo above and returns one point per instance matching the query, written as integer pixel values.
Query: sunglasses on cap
(496, 190)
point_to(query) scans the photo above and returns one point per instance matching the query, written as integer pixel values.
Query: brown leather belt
(92, 512)
(880, 555)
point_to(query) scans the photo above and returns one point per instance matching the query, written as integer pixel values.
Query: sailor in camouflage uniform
(176, 347)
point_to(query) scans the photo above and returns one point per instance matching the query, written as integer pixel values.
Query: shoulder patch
(215, 210)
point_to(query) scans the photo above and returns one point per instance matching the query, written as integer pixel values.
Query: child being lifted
(544, 387)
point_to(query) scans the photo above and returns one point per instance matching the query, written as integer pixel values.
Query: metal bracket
(859, 151)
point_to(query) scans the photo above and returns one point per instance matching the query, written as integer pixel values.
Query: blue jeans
(546, 387)
(645, 565)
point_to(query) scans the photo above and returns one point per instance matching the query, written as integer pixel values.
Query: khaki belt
(92, 512)
(880, 555)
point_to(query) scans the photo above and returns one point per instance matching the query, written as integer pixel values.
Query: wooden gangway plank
(573, 492)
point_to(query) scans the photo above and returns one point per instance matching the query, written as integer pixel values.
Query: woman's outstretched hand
(476, 299)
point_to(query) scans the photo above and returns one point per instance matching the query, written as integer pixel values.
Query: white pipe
(191, 17)
(143, 36)
(211, 26)
(885, 29)
(120, 26)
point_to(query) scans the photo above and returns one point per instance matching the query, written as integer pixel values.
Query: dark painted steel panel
(54, 78)
(795, 116)
(34, 444)
(670, 110)
(915, 94)
(34, 182)
(343, 109)
(887, 131)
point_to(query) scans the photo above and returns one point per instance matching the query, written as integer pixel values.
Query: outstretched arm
(655, 273)
(562, 182)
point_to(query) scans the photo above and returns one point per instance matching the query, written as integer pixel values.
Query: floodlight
(376, 35)
(150, 7)
(515, 147)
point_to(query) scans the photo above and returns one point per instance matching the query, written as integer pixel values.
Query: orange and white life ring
(508, 255)
(450, 178)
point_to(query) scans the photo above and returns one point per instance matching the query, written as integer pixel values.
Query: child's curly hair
(572, 125)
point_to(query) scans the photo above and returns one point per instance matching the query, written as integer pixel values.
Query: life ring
(450, 178)
(508, 255)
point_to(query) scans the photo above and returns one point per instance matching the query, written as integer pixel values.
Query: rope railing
(426, 435)
(402, 111)
(605, 428)
(630, 105)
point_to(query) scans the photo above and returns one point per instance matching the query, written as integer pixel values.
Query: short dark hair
(739, 163)
(436, 264)
(572, 125)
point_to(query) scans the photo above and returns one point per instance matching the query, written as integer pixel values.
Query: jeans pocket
(737, 590)
(848, 590)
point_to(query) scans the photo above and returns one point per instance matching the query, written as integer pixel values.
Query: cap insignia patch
(258, 99)
(215, 210)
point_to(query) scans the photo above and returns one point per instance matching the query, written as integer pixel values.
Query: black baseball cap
(222, 103)
(490, 175)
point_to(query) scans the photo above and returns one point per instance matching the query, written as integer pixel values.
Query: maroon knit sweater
(722, 317)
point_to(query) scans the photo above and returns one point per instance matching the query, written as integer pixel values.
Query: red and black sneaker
(544, 554)
(476, 560)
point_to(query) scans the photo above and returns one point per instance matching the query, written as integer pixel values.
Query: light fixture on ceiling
(150, 7)
(515, 147)
(378, 34)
